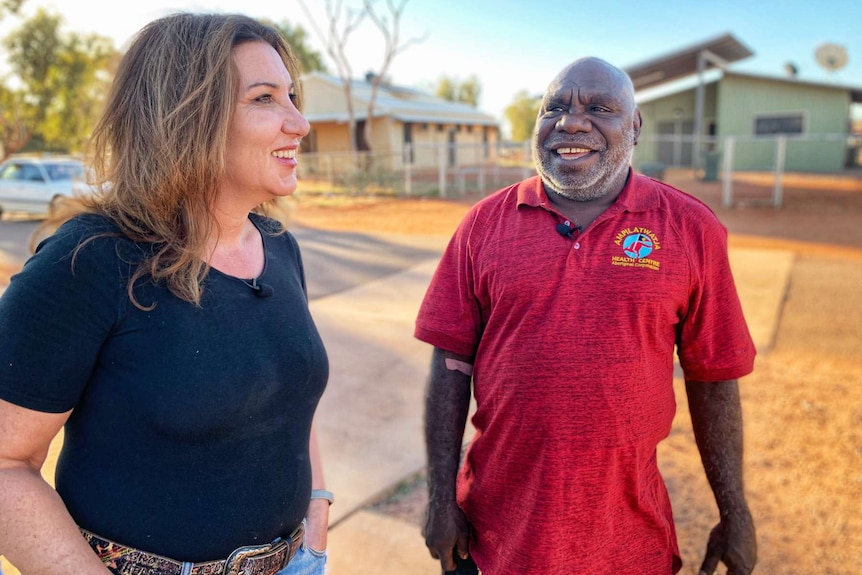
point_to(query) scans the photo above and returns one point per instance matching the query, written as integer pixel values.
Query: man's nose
(574, 121)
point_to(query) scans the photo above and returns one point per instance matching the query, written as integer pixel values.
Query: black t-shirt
(189, 435)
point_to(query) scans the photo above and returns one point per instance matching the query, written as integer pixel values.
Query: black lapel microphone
(260, 290)
(566, 229)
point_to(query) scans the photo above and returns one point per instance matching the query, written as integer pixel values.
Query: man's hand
(446, 532)
(734, 543)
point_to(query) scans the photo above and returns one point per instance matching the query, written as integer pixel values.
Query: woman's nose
(295, 123)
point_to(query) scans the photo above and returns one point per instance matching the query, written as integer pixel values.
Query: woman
(166, 328)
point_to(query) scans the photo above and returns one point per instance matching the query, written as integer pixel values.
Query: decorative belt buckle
(234, 561)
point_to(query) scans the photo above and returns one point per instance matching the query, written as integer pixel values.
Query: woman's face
(264, 134)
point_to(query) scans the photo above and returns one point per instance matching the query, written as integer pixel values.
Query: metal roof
(682, 63)
(401, 103)
(855, 92)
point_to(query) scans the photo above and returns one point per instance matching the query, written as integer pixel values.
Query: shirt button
(577, 245)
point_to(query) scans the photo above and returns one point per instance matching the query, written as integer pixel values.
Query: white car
(34, 185)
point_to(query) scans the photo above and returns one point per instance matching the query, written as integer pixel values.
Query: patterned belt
(253, 560)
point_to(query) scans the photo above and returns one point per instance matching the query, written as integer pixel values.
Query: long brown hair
(158, 152)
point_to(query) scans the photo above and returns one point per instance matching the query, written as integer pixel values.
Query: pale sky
(521, 45)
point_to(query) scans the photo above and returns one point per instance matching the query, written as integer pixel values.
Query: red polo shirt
(573, 339)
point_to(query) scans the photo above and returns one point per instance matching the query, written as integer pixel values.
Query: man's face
(586, 130)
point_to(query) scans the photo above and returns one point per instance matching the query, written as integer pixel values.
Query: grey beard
(580, 186)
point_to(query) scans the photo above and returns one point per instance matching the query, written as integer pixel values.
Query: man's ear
(636, 126)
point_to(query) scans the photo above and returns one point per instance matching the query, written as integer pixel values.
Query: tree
(15, 122)
(341, 25)
(310, 60)
(63, 80)
(466, 92)
(447, 88)
(335, 44)
(521, 115)
(392, 47)
(469, 91)
(80, 90)
(9, 7)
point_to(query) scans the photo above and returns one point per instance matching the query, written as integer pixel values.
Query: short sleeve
(55, 316)
(714, 343)
(450, 316)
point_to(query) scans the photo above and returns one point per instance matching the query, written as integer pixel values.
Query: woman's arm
(37, 534)
(317, 517)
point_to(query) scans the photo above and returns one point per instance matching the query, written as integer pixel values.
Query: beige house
(407, 124)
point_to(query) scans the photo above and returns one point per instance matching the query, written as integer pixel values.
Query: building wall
(429, 139)
(321, 97)
(733, 104)
(741, 99)
(459, 146)
(672, 116)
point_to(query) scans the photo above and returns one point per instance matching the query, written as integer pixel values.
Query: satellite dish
(832, 57)
(791, 70)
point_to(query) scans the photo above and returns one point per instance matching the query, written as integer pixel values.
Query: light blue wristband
(323, 494)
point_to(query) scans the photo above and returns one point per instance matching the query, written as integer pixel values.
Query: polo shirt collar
(639, 194)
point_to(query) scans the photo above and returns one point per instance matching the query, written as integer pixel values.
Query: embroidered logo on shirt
(636, 244)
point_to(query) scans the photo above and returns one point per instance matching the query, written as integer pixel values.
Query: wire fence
(457, 170)
(444, 170)
(723, 159)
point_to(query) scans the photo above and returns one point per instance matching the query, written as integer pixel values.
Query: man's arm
(716, 416)
(447, 402)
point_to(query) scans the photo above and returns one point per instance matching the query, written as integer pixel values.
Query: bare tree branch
(392, 47)
(335, 44)
(342, 22)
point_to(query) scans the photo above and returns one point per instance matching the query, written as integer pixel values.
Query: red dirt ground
(803, 403)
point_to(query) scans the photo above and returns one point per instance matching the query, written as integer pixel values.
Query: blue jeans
(307, 561)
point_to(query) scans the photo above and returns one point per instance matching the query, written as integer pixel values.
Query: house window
(768, 125)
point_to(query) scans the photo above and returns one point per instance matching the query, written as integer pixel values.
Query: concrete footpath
(370, 418)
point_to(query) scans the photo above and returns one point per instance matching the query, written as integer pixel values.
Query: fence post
(329, 174)
(441, 167)
(780, 156)
(408, 179)
(727, 176)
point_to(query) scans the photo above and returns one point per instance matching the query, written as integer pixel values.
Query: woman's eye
(293, 97)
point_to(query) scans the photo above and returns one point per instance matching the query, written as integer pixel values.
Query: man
(562, 299)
